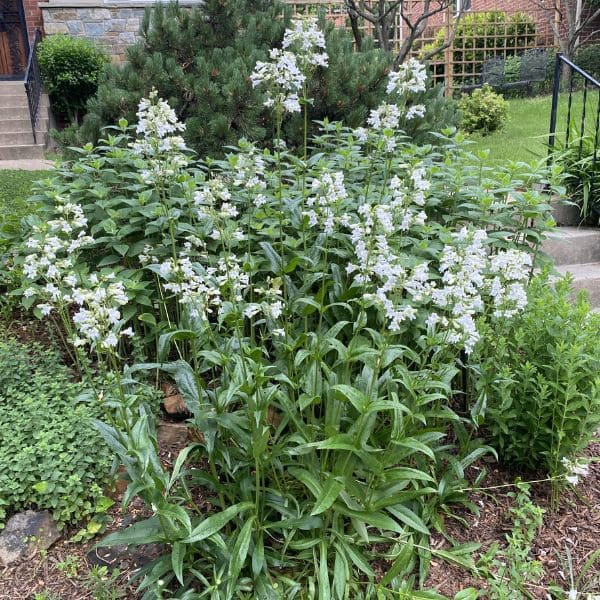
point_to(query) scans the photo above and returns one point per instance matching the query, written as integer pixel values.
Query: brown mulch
(575, 525)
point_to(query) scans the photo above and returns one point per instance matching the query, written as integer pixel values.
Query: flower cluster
(286, 72)
(411, 76)
(98, 320)
(282, 78)
(159, 145)
(307, 42)
(327, 194)
(574, 469)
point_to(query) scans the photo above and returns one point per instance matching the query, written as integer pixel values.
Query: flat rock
(172, 434)
(26, 532)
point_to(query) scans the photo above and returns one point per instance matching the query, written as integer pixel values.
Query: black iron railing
(33, 84)
(577, 143)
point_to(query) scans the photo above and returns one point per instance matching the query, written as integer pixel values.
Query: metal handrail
(33, 84)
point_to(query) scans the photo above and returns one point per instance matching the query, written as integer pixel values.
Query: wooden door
(14, 46)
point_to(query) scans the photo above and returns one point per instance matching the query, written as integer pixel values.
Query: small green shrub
(70, 69)
(538, 379)
(50, 455)
(512, 68)
(484, 110)
(588, 58)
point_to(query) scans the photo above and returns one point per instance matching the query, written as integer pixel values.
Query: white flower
(307, 42)
(327, 194)
(386, 116)
(575, 469)
(410, 77)
(417, 110)
(282, 78)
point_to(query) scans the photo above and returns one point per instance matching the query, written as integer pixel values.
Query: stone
(75, 27)
(26, 532)
(175, 405)
(94, 30)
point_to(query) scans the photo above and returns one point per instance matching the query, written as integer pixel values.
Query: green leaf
(148, 531)
(401, 566)
(164, 341)
(238, 555)
(331, 490)
(214, 523)
(409, 517)
(323, 575)
(178, 552)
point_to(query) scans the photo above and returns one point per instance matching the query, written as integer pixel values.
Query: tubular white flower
(410, 77)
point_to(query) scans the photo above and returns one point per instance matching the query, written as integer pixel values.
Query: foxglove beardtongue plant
(282, 79)
(411, 76)
(308, 44)
(98, 320)
(160, 147)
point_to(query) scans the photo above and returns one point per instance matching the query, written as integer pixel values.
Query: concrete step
(16, 138)
(573, 245)
(23, 125)
(8, 88)
(8, 103)
(21, 112)
(25, 151)
(585, 277)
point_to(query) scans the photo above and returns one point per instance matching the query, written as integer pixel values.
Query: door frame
(23, 26)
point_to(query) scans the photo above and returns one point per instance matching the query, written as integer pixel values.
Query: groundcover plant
(312, 310)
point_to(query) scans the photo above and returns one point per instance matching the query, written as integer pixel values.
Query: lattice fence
(482, 35)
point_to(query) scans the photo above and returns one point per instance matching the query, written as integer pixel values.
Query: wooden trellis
(486, 34)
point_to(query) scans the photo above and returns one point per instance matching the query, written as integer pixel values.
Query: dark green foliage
(70, 69)
(50, 455)
(538, 381)
(200, 60)
(588, 58)
(484, 110)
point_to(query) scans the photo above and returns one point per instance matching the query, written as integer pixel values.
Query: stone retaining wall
(112, 25)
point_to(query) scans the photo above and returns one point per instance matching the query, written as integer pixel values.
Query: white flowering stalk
(52, 254)
(386, 116)
(98, 320)
(307, 42)
(574, 469)
(159, 145)
(282, 79)
(249, 174)
(324, 203)
(510, 271)
(411, 76)
(288, 69)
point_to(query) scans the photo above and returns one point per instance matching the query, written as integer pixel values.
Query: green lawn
(15, 188)
(525, 135)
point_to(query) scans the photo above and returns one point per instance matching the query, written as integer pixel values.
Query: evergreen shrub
(200, 61)
(484, 110)
(70, 69)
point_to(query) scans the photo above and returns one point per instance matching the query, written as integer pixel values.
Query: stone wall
(112, 25)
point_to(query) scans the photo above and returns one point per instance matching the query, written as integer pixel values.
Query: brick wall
(33, 17)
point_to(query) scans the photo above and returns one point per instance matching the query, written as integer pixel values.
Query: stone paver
(26, 165)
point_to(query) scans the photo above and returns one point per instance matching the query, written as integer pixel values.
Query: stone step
(585, 277)
(24, 151)
(16, 138)
(8, 103)
(573, 245)
(23, 125)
